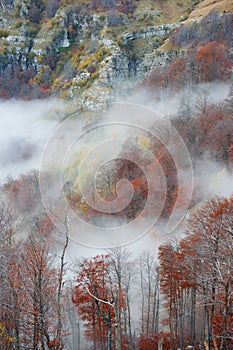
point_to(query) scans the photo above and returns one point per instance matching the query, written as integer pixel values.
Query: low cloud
(25, 129)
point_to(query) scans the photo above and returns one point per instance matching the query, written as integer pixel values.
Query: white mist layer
(215, 180)
(216, 92)
(24, 130)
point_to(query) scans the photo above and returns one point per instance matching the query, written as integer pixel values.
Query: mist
(32, 131)
(168, 104)
(214, 179)
(25, 129)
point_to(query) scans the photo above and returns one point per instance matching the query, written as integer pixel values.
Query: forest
(159, 290)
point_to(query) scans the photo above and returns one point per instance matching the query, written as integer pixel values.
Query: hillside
(206, 6)
(85, 51)
(116, 218)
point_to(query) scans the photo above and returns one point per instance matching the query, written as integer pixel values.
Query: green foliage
(94, 75)
(59, 67)
(18, 23)
(31, 55)
(4, 50)
(4, 33)
(32, 31)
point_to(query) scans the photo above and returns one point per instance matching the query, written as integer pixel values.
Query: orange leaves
(91, 294)
(31, 307)
(154, 342)
(176, 73)
(100, 299)
(5, 339)
(201, 265)
(139, 184)
(212, 61)
(46, 226)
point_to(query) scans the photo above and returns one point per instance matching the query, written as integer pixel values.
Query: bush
(18, 23)
(4, 33)
(32, 31)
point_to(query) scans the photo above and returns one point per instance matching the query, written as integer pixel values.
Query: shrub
(4, 33)
(18, 23)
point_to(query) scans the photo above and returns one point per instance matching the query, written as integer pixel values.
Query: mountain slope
(206, 6)
(86, 51)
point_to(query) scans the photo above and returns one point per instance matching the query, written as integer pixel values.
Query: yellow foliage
(82, 58)
(86, 61)
(4, 337)
(40, 59)
(144, 141)
(64, 94)
(4, 50)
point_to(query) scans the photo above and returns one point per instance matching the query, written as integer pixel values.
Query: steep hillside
(206, 6)
(88, 51)
(131, 177)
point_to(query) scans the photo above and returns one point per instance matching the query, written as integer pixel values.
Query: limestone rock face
(77, 52)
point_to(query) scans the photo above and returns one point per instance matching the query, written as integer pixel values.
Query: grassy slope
(173, 10)
(207, 5)
(170, 11)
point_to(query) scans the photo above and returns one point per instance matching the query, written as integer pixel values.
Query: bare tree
(149, 282)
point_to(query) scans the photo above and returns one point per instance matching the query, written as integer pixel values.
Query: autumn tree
(170, 286)
(222, 134)
(31, 286)
(212, 62)
(162, 340)
(100, 298)
(149, 289)
(92, 297)
(32, 306)
(196, 277)
(213, 249)
(177, 76)
(23, 193)
(7, 254)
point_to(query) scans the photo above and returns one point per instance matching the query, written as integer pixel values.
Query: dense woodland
(179, 297)
(183, 298)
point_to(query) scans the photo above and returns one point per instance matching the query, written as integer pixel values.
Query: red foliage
(201, 265)
(151, 342)
(46, 226)
(176, 73)
(170, 172)
(31, 309)
(139, 184)
(19, 195)
(212, 62)
(219, 139)
(95, 299)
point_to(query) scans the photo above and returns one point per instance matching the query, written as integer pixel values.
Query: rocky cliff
(85, 52)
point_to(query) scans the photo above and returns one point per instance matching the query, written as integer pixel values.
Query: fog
(27, 125)
(33, 135)
(216, 92)
(26, 128)
(215, 180)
